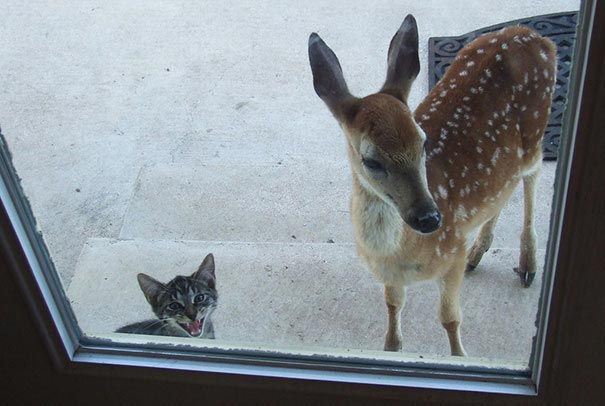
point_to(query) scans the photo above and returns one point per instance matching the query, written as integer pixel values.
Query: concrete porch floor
(142, 131)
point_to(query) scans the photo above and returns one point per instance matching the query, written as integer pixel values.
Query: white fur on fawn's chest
(379, 226)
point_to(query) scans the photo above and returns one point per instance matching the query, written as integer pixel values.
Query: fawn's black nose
(426, 222)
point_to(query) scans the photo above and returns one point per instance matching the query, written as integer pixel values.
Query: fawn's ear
(328, 80)
(151, 288)
(403, 62)
(205, 272)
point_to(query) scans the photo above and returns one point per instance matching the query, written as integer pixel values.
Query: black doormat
(560, 28)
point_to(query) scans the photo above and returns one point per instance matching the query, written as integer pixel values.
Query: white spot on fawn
(464, 171)
(442, 191)
(480, 51)
(488, 73)
(545, 73)
(519, 152)
(493, 40)
(460, 213)
(495, 156)
(443, 93)
(498, 57)
(504, 46)
(543, 55)
(470, 63)
(463, 73)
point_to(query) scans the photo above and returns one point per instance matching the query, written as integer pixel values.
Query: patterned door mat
(559, 27)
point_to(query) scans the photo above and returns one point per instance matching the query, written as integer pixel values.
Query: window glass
(190, 183)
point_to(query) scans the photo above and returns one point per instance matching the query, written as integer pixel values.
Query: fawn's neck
(378, 225)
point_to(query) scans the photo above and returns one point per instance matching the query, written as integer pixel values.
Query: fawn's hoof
(526, 277)
(470, 268)
(393, 345)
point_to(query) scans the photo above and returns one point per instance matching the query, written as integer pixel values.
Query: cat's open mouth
(194, 328)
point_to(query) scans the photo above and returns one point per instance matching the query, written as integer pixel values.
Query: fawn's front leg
(450, 314)
(395, 299)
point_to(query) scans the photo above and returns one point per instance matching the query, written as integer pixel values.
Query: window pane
(149, 135)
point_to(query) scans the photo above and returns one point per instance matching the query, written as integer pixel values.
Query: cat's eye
(175, 306)
(199, 298)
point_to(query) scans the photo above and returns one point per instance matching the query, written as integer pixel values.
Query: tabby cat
(183, 306)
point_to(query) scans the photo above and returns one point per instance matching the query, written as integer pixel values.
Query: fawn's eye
(175, 306)
(199, 298)
(373, 165)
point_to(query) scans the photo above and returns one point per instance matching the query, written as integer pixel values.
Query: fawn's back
(485, 120)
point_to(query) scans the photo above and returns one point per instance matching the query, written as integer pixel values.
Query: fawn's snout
(425, 220)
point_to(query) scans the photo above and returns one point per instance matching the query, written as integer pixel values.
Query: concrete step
(305, 294)
(285, 203)
(294, 202)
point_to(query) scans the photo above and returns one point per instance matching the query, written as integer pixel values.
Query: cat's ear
(205, 272)
(151, 288)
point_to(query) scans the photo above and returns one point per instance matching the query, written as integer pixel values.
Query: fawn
(423, 181)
